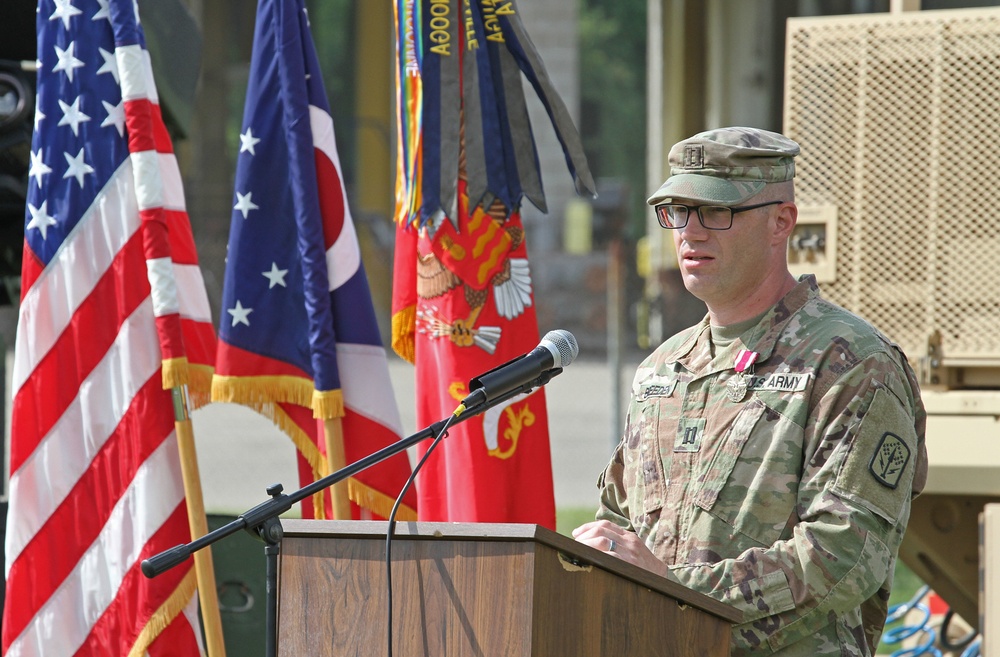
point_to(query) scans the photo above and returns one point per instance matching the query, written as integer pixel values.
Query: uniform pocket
(766, 595)
(654, 481)
(751, 482)
(644, 468)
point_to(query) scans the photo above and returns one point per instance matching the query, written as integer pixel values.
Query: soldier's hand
(622, 543)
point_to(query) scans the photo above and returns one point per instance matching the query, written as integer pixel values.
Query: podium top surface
(510, 532)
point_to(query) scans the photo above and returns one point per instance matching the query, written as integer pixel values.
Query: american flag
(298, 328)
(113, 309)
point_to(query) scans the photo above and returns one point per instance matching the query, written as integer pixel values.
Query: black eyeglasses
(713, 217)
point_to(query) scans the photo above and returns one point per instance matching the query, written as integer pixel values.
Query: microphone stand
(262, 520)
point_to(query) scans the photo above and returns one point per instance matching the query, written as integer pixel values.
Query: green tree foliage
(613, 94)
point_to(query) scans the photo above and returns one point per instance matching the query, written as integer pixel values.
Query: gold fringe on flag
(303, 442)
(377, 502)
(327, 404)
(319, 506)
(404, 323)
(175, 372)
(179, 372)
(165, 615)
(255, 391)
(240, 391)
(199, 385)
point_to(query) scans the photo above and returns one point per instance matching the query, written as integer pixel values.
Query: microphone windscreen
(564, 343)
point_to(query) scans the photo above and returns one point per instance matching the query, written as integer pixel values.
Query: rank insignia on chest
(736, 387)
(689, 434)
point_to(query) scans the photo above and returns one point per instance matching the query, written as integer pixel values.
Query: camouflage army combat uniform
(790, 503)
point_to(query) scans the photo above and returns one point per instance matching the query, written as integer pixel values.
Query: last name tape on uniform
(656, 387)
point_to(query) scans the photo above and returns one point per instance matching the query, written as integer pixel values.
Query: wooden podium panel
(483, 590)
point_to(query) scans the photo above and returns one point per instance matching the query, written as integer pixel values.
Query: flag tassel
(333, 432)
(165, 615)
(379, 503)
(198, 522)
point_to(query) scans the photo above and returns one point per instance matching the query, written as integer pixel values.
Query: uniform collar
(770, 327)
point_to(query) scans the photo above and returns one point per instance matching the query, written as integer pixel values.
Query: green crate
(240, 577)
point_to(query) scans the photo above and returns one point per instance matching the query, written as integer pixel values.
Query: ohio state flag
(299, 338)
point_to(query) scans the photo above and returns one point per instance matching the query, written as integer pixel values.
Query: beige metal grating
(898, 116)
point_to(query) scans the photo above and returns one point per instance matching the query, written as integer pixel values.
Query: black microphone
(556, 350)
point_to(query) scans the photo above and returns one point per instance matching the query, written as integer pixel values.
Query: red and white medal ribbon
(736, 388)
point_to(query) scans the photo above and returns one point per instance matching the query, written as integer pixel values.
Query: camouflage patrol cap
(727, 165)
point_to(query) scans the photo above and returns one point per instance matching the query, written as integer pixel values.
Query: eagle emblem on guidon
(478, 260)
(476, 263)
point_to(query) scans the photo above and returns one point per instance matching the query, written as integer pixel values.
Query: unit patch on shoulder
(889, 460)
(876, 470)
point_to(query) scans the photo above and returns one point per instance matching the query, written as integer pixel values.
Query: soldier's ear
(784, 221)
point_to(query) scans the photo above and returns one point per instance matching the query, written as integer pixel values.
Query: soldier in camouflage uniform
(770, 452)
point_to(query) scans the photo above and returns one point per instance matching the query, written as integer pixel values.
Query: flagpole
(198, 523)
(333, 432)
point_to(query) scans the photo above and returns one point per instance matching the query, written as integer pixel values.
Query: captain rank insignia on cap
(694, 156)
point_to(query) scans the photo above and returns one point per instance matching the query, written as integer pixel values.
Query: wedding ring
(613, 545)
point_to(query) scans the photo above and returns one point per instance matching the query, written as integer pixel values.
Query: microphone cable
(392, 522)
(566, 343)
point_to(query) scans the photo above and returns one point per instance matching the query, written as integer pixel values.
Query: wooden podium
(480, 589)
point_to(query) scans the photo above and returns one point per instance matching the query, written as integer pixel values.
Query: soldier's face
(724, 268)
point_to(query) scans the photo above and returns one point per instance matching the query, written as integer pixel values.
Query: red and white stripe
(95, 476)
(745, 359)
(180, 303)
